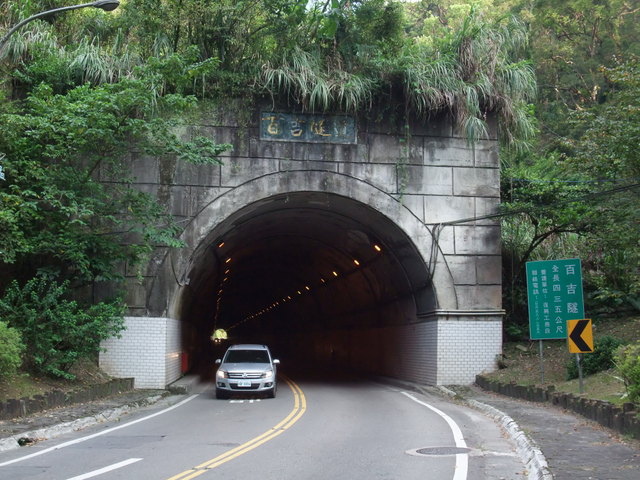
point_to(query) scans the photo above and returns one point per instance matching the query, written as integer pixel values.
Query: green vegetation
(57, 332)
(600, 360)
(11, 348)
(521, 362)
(628, 364)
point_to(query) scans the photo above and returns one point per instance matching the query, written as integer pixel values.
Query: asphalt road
(314, 429)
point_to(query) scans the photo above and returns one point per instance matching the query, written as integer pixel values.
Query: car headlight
(221, 374)
(268, 374)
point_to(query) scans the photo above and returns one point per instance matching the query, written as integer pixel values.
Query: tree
(581, 201)
(57, 331)
(55, 211)
(607, 152)
(474, 69)
(571, 41)
(11, 350)
(546, 213)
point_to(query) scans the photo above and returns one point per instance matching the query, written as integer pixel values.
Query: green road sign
(554, 290)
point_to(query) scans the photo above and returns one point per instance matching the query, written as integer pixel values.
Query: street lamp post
(106, 5)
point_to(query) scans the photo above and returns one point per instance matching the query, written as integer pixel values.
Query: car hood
(246, 367)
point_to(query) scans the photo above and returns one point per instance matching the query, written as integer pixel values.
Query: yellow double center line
(299, 407)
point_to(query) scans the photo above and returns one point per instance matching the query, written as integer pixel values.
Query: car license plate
(244, 383)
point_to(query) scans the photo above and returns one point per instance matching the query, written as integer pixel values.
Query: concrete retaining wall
(22, 407)
(624, 419)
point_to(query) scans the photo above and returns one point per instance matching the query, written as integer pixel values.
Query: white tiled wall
(466, 348)
(172, 351)
(442, 351)
(437, 352)
(148, 351)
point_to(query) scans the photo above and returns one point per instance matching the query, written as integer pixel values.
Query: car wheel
(221, 394)
(272, 393)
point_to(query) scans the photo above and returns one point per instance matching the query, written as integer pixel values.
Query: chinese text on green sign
(554, 290)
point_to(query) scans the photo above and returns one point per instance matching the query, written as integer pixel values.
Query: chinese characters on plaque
(302, 127)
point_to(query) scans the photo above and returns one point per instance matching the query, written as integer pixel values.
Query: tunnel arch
(406, 231)
(325, 221)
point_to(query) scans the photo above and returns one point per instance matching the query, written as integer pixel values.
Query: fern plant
(470, 73)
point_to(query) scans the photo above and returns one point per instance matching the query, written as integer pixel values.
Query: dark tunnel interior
(302, 273)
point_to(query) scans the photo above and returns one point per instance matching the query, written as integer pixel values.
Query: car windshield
(247, 356)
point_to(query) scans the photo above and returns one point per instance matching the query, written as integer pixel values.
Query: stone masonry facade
(432, 183)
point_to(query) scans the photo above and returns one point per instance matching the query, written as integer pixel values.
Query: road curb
(528, 451)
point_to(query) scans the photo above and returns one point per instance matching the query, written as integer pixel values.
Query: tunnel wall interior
(426, 309)
(441, 351)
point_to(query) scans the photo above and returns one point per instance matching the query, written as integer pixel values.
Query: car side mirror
(276, 361)
(218, 361)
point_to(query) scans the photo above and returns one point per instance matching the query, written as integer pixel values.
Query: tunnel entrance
(319, 277)
(374, 253)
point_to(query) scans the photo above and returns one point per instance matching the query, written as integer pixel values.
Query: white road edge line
(109, 468)
(462, 459)
(103, 432)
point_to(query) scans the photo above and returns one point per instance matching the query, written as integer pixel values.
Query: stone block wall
(22, 407)
(624, 419)
(432, 183)
(433, 172)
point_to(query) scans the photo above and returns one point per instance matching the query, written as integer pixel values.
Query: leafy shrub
(601, 359)
(11, 348)
(627, 360)
(57, 331)
(515, 332)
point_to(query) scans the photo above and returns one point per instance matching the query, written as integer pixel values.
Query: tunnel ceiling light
(227, 271)
(322, 280)
(356, 262)
(377, 248)
(227, 260)
(335, 274)
(307, 288)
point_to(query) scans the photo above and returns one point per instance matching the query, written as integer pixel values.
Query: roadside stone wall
(23, 407)
(624, 419)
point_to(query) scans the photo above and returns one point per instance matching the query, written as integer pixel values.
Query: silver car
(246, 368)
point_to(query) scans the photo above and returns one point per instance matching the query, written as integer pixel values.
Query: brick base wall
(467, 347)
(149, 350)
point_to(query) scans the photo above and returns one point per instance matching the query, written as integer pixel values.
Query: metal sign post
(541, 361)
(580, 381)
(580, 340)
